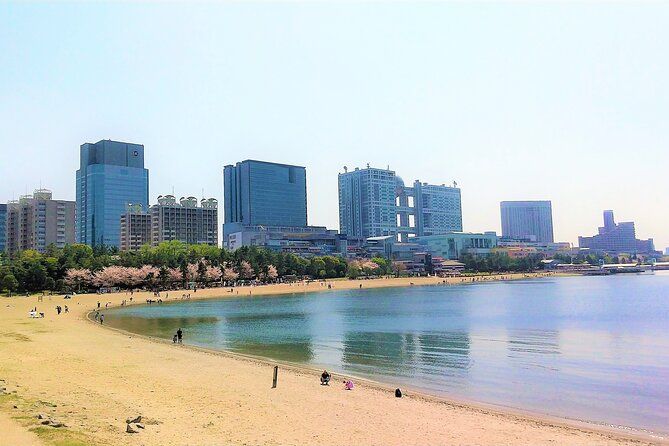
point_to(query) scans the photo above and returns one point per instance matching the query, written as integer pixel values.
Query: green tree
(10, 283)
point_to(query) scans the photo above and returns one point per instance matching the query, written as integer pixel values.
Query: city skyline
(414, 101)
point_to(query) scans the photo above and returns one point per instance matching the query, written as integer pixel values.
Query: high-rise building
(262, 193)
(3, 226)
(437, 209)
(37, 221)
(111, 175)
(136, 228)
(367, 205)
(527, 220)
(375, 203)
(185, 221)
(616, 238)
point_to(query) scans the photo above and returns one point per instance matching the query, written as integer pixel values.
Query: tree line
(80, 266)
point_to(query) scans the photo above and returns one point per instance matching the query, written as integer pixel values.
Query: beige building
(37, 221)
(186, 220)
(135, 228)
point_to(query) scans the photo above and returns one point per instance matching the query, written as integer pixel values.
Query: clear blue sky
(564, 102)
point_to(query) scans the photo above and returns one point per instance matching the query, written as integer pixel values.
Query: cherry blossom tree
(192, 271)
(245, 271)
(77, 277)
(213, 274)
(271, 274)
(229, 274)
(175, 275)
(110, 276)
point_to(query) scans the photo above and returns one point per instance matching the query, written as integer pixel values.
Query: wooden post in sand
(276, 376)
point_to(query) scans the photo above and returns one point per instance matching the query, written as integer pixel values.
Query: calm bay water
(587, 348)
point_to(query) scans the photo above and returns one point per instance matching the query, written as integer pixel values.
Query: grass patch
(61, 436)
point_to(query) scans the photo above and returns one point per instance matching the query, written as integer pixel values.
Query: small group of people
(59, 309)
(34, 314)
(99, 317)
(348, 384)
(185, 296)
(326, 377)
(178, 337)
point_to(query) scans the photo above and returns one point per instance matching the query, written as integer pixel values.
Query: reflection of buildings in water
(383, 351)
(292, 351)
(163, 327)
(520, 343)
(404, 354)
(440, 352)
(257, 334)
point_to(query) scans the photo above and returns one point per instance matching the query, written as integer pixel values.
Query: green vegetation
(30, 271)
(500, 262)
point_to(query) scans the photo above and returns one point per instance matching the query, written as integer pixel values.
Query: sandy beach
(92, 379)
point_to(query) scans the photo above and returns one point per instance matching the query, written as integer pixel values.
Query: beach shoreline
(156, 355)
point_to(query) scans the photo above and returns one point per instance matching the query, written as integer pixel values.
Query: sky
(566, 102)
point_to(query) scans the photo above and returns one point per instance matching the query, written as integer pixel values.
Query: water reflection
(546, 342)
(440, 352)
(389, 352)
(162, 327)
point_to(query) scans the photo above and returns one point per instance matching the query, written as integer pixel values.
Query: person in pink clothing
(348, 384)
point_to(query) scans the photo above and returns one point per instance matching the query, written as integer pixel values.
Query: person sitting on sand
(174, 339)
(325, 378)
(348, 384)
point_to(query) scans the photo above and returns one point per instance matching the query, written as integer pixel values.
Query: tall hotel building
(185, 221)
(375, 202)
(111, 176)
(37, 221)
(527, 220)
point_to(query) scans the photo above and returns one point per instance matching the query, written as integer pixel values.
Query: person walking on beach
(67, 310)
(102, 318)
(98, 304)
(180, 335)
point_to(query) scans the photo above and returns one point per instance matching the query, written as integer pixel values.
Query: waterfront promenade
(93, 379)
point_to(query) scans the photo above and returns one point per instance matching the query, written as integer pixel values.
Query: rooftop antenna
(368, 165)
(345, 169)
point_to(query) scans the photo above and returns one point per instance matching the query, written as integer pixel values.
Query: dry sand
(92, 379)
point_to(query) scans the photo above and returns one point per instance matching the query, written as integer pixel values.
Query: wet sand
(92, 378)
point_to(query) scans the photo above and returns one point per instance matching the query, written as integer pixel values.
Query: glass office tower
(262, 193)
(111, 176)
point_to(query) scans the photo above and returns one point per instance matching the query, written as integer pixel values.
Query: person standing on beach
(180, 335)
(102, 318)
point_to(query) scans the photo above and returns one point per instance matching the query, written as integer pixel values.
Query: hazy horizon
(560, 102)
